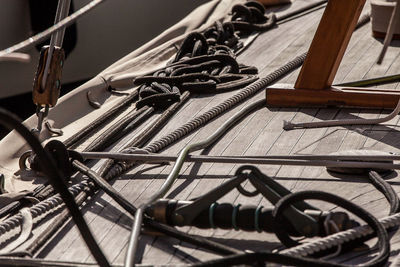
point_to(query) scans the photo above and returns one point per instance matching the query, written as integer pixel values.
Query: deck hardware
(52, 130)
(330, 225)
(93, 103)
(114, 91)
(287, 125)
(47, 82)
(47, 85)
(23, 160)
(41, 115)
(61, 157)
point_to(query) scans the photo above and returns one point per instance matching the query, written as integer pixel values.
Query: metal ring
(211, 214)
(256, 218)
(23, 158)
(234, 215)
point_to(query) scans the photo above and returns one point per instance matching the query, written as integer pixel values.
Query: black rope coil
(200, 74)
(219, 39)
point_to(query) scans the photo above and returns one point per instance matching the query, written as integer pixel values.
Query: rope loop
(251, 16)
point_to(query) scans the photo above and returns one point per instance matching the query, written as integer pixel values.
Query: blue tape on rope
(234, 215)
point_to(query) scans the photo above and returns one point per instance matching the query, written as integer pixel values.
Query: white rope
(46, 33)
(17, 57)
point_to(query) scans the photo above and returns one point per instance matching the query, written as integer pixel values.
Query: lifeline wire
(56, 27)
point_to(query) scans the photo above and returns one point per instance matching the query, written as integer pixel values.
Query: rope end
(287, 125)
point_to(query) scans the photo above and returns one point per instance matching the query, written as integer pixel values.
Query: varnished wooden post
(329, 44)
(313, 87)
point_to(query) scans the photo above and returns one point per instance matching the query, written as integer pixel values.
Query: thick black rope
(387, 190)
(48, 167)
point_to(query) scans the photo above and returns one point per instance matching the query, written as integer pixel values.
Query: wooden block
(47, 94)
(286, 96)
(329, 44)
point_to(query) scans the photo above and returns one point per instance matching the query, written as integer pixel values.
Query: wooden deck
(260, 133)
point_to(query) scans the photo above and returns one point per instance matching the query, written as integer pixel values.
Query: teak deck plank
(260, 133)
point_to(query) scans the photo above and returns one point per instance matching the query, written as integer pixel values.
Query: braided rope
(339, 238)
(41, 209)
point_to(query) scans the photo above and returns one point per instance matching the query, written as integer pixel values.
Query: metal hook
(41, 115)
